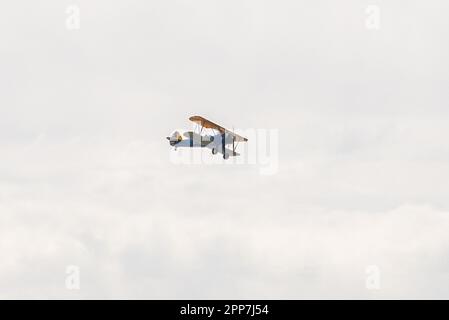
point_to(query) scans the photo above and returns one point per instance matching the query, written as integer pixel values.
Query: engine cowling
(174, 138)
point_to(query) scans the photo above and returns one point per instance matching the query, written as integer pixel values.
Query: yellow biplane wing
(211, 125)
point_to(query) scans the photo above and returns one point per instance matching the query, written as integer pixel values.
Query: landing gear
(226, 156)
(214, 151)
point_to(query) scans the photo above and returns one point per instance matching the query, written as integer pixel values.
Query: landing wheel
(226, 156)
(214, 151)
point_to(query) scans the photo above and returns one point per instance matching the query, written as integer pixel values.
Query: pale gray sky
(86, 177)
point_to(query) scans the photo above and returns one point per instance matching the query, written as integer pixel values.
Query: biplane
(217, 141)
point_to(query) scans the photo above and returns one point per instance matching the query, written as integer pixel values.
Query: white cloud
(139, 231)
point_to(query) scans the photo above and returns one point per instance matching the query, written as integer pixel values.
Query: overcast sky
(357, 91)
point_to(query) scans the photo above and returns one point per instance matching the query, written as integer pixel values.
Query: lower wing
(231, 153)
(220, 149)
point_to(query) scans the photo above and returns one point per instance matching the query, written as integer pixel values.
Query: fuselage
(190, 139)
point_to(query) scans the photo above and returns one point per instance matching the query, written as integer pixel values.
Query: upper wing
(237, 137)
(211, 125)
(207, 124)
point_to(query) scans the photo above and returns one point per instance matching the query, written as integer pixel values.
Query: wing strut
(223, 144)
